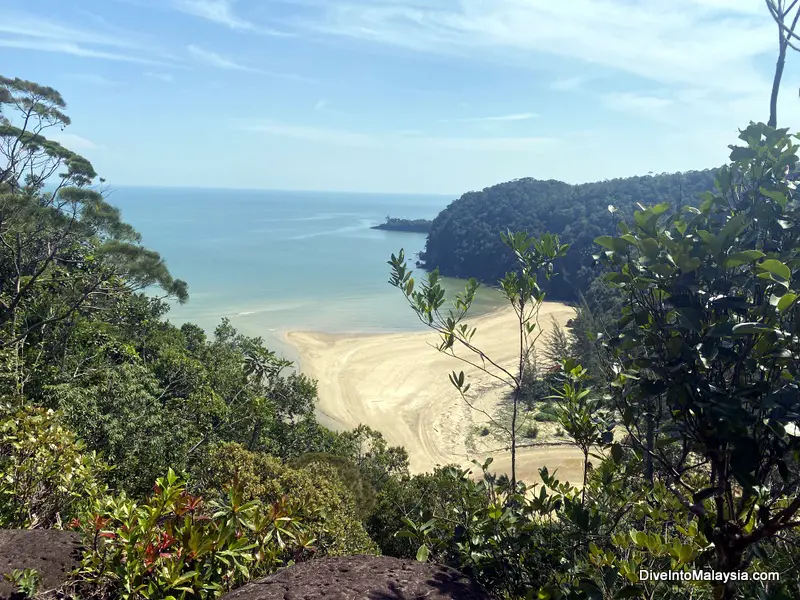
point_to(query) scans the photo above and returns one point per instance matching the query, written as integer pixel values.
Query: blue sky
(438, 96)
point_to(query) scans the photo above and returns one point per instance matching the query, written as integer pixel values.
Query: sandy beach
(398, 384)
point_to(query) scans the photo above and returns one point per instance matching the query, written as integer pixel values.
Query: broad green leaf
(743, 258)
(751, 328)
(776, 268)
(786, 301)
(423, 553)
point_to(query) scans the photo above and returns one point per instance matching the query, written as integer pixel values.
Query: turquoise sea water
(272, 261)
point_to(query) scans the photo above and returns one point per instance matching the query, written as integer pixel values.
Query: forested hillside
(464, 240)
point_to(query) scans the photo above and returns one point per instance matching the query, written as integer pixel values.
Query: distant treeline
(414, 225)
(464, 239)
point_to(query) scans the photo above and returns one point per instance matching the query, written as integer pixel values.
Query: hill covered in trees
(464, 240)
(410, 225)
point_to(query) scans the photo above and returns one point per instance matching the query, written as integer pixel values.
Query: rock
(54, 554)
(362, 578)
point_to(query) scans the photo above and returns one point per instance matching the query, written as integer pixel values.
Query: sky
(407, 96)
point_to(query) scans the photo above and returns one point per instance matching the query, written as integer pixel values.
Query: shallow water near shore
(274, 261)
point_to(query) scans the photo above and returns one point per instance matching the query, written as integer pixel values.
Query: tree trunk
(776, 82)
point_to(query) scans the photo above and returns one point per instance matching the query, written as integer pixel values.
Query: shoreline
(396, 383)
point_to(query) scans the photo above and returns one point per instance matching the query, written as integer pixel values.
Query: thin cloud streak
(217, 11)
(221, 62)
(514, 117)
(701, 42)
(222, 13)
(28, 32)
(217, 60)
(399, 140)
(75, 50)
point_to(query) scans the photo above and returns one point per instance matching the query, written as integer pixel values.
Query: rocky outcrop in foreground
(361, 578)
(53, 554)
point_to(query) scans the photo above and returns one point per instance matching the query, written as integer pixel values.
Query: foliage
(368, 449)
(464, 240)
(336, 526)
(26, 581)
(172, 546)
(491, 531)
(522, 290)
(47, 476)
(707, 352)
(581, 414)
(62, 251)
(348, 473)
(417, 497)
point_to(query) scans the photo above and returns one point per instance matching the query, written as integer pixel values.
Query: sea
(273, 261)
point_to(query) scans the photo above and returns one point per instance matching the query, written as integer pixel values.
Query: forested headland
(464, 239)
(410, 225)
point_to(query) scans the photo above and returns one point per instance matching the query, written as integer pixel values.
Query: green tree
(707, 355)
(63, 248)
(520, 287)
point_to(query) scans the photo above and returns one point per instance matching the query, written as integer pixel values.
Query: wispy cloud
(222, 62)
(514, 117)
(338, 137)
(646, 105)
(412, 140)
(95, 79)
(27, 32)
(165, 77)
(321, 104)
(74, 50)
(222, 13)
(218, 11)
(217, 60)
(567, 84)
(707, 42)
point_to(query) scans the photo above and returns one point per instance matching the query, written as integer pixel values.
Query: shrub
(532, 432)
(173, 546)
(46, 475)
(420, 498)
(544, 416)
(337, 527)
(26, 581)
(348, 473)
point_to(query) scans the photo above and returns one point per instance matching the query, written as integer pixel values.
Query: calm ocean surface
(272, 261)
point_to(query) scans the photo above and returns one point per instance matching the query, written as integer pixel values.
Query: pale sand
(398, 384)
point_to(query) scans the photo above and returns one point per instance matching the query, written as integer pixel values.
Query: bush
(545, 417)
(337, 527)
(25, 581)
(173, 546)
(420, 498)
(532, 432)
(348, 473)
(46, 475)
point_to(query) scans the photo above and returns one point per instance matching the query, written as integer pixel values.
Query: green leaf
(751, 328)
(786, 301)
(743, 258)
(777, 268)
(423, 553)
(775, 195)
